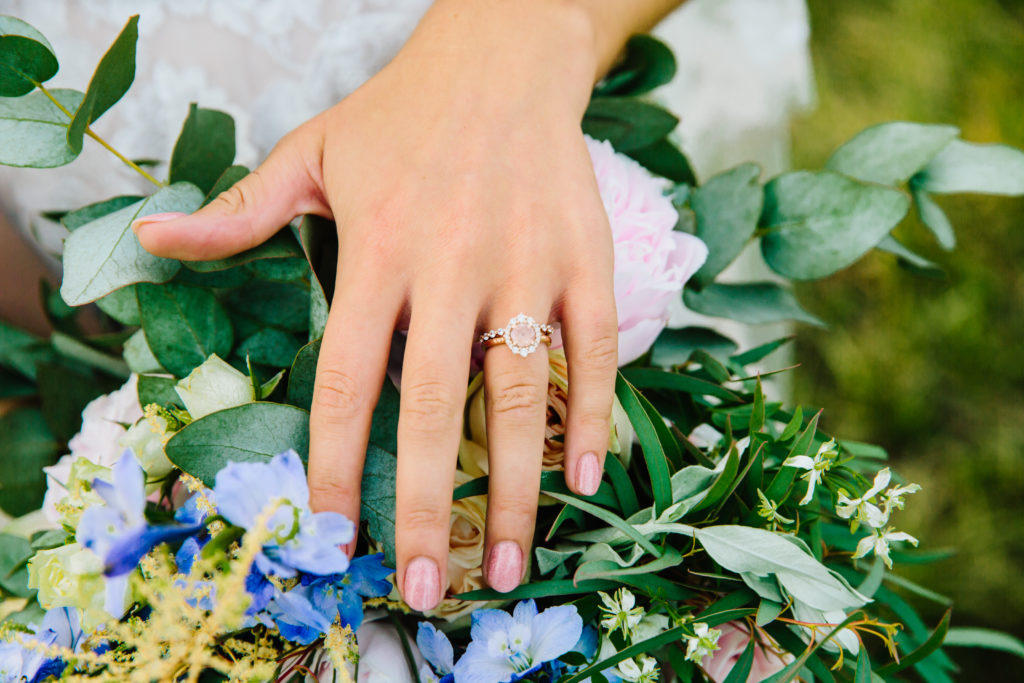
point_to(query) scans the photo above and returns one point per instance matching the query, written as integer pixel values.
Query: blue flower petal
(435, 647)
(555, 631)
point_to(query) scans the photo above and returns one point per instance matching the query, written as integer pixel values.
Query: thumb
(284, 186)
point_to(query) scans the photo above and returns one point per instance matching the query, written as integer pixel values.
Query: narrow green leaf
(863, 674)
(204, 149)
(932, 216)
(643, 646)
(622, 484)
(723, 483)
(109, 83)
(778, 490)
(909, 259)
(25, 56)
(72, 348)
(759, 353)
(653, 450)
(609, 518)
(184, 326)
(757, 416)
(254, 432)
(33, 130)
(821, 222)
(985, 638)
(653, 378)
(929, 646)
(754, 303)
(741, 669)
(540, 589)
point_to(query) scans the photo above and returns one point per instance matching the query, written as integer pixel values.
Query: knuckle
(337, 395)
(429, 405)
(327, 490)
(517, 507)
(424, 517)
(601, 351)
(522, 397)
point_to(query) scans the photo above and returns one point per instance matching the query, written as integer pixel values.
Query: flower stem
(89, 131)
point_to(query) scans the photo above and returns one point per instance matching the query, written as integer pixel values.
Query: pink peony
(103, 423)
(734, 639)
(652, 260)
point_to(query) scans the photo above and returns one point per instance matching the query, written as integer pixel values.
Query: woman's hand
(464, 194)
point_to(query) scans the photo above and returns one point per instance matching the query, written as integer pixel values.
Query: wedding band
(522, 335)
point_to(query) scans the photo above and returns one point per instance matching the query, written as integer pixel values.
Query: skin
(464, 195)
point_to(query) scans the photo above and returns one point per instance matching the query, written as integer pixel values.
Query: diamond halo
(522, 335)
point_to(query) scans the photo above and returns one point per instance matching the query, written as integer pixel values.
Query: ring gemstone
(522, 335)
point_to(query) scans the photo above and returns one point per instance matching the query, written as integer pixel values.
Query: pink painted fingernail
(588, 474)
(155, 218)
(505, 566)
(422, 584)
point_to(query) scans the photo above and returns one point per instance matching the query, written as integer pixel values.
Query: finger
(590, 333)
(349, 375)
(435, 372)
(249, 212)
(516, 390)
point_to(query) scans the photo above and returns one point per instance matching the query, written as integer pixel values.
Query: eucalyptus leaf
(25, 56)
(674, 345)
(15, 552)
(64, 392)
(227, 179)
(910, 259)
(934, 218)
(33, 130)
(378, 498)
(727, 208)
(274, 304)
(109, 83)
(269, 346)
(104, 255)
(749, 302)
(79, 351)
(122, 305)
(204, 149)
(968, 167)
(20, 350)
(662, 157)
(821, 222)
(281, 245)
(139, 356)
(303, 375)
(158, 389)
(253, 432)
(890, 153)
(647, 64)
(757, 551)
(627, 123)
(184, 326)
(73, 220)
(27, 446)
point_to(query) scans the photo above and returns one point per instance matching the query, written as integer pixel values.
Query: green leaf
(104, 255)
(20, 350)
(33, 130)
(279, 269)
(968, 167)
(863, 674)
(608, 569)
(821, 222)
(653, 449)
(25, 56)
(623, 486)
(964, 636)
(274, 304)
(910, 259)
(139, 356)
(723, 482)
(204, 149)
(741, 669)
(663, 158)
(759, 353)
(254, 432)
(73, 220)
(15, 552)
(753, 303)
(378, 483)
(270, 347)
(647, 64)
(158, 390)
(64, 392)
(674, 345)
(227, 179)
(73, 349)
(890, 153)
(302, 375)
(281, 245)
(609, 518)
(653, 378)
(27, 446)
(627, 123)
(745, 549)
(109, 83)
(184, 326)
(929, 646)
(932, 216)
(122, 305)
(648, 645)
(778, 490)
(767, 611)
(727, 208)
(540, 589)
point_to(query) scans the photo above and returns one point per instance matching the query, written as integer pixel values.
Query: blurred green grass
(932, 370)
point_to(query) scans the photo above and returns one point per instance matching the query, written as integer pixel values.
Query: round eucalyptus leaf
(33, 130)
(890, 153)
(25, 56)
(821, 222)
(967, 167)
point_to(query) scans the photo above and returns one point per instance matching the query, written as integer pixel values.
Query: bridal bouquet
(732, 538)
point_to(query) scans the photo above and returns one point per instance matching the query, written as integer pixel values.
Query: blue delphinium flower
(302, 540)
(61, 627)
(117, 531)
(437, 650)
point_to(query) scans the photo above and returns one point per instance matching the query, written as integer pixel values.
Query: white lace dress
(272, 64)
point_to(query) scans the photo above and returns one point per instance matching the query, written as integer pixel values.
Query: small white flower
(643, 669)
(621, 612)
(894, 496)
(769, 509)
(816, 466)
(879, 540)
(214, 386)
(703, 642)
(863, 510)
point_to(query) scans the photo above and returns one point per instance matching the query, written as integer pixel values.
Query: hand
(464, 194)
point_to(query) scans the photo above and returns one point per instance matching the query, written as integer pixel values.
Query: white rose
(214, 386)
(146, 439)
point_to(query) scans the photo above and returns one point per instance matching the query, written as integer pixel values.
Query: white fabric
(272, 64)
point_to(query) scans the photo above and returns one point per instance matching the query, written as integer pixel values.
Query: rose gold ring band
(522, 335)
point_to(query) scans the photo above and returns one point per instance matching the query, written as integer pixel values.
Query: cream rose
(71, 576)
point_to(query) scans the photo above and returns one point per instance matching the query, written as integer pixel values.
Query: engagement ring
(521, 335)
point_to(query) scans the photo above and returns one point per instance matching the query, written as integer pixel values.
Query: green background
(932, 370)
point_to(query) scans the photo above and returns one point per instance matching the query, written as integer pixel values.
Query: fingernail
(588, 474)
(505, 566)
(422, 584)
(155, 218)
